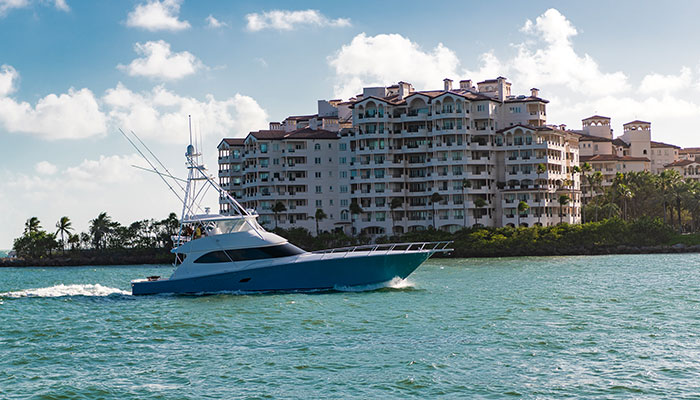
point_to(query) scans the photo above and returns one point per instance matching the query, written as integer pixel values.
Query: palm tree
(279, 207)
(575, 170)
(435, 198)
(563, 200)
(522, 208)
(596, 183)
(32, 225)
(669, 181)
(626, 194)
(466, 183)
(64, 226)
(355, 209)
(99, 228)
(396, 202)
(479, 203)
(585, 169)
(319, 216)
(680, 190)
(541, 169)
(74, 241)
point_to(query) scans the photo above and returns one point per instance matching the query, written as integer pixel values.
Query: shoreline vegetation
(638, 213)
(644, 235)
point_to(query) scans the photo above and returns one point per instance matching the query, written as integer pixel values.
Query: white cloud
(7, 5)
(7, 77)
(104, 180)
(61, 5)
(162, 115)
(286, 20)
(557, 62)
(72, 115)
(385, 59)
(157, 15)
(161, 63)
(653, 83)
(45, 168)
(214, 23)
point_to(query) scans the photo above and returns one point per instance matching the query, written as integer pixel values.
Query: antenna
(189, 117)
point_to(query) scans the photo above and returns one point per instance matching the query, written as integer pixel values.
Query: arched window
(317, 146)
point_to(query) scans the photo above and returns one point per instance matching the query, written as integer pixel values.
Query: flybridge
(191, 191)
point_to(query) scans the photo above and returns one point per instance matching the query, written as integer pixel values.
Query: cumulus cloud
(157, 15)
(286, 20)
(214, 23)
(72, 115)
(653, 83)
(103, 179)
(557, 62)
(7, 5)
(45, 168)
(160, 62)
(161, 114)
(382, 59)
(61, 5)
(8, 75)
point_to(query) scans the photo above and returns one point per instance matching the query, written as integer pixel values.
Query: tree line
(103, 233)
(632, 195)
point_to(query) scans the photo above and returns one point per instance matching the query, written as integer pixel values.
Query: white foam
(66, 290)
(396, 283)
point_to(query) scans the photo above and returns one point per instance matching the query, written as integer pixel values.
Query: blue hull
(300, 276)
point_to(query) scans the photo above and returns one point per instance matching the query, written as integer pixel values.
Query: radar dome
(190, 151)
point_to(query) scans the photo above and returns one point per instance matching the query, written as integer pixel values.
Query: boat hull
(297, 276)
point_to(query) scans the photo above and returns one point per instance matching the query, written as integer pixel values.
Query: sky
(72, 73)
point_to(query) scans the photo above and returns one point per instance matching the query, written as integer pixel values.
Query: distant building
(688, 169)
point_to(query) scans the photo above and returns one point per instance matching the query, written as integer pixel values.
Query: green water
(564, 327)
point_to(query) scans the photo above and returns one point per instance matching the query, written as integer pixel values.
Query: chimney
(465, 84)
(562, 127)
(275, 126)
(448, 84)
(404, 89)
(534, 92)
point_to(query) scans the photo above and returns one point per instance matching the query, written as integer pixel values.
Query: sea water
(550, 327)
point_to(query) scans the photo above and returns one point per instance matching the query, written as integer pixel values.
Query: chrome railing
(432, 247)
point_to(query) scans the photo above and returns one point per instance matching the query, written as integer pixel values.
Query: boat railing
(432, 247)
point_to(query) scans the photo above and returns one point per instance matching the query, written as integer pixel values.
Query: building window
(318, 189)
(317, 146)
(317, 174)
(276, 161)
(343, 160)
(342, 146)
(343, 189)
(344, 202)
(343, 174)
(263, 147)
(317, 160)
(319, 203)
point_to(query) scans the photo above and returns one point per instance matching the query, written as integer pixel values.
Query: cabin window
(283, 250)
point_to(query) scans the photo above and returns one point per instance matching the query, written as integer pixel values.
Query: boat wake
(396, 283)
(66, 290)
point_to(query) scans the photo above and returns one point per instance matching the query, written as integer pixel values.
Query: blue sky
(73, 72)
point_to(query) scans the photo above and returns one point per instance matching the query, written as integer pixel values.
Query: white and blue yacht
(233, 253)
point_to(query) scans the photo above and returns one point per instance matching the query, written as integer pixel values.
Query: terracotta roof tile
(612, 157)
(662, 144)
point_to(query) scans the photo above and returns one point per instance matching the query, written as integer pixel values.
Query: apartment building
(627, 153)
(407, 145)
(231, 169)
(410, 160)
(298, 169)
(688, 169)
